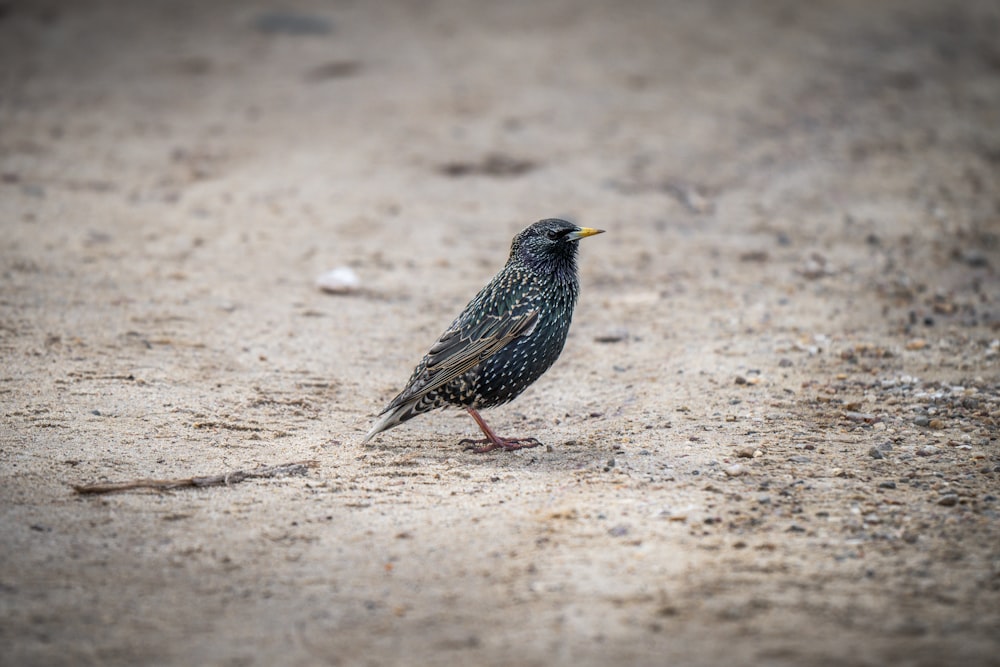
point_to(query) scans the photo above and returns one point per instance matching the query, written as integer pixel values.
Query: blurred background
(774, 425)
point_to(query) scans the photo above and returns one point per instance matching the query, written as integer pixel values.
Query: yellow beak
(583, 232)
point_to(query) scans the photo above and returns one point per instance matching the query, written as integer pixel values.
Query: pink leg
(494, 441)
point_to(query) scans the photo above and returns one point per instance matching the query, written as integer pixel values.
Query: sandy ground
(772, 437)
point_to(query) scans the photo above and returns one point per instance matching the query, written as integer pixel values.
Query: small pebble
(876, 453)
(735, 470)
(612, 336)
(887, 485)
(948, 500)
(974, 258)
(814, 267)
(936, 424)
(745, 453)
(927, 450)
(618, 531)
(799, 459)
(922, 420)
(341, 280)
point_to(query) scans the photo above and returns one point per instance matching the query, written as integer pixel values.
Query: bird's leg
(492, 440)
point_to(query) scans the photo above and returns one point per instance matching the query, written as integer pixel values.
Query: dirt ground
(772, 437)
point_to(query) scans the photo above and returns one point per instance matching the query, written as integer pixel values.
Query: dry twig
(297, 468)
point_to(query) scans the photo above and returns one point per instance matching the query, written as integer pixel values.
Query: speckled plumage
(506, 337)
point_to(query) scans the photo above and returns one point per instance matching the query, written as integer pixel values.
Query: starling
(506, 337)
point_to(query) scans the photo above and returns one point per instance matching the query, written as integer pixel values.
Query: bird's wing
(465, 344)
(469, 346)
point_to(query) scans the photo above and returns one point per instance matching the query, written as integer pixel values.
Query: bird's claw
(506, 444)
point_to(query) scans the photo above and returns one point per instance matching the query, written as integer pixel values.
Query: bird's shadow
(449, 453)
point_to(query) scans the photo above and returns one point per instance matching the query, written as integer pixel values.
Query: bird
(507, 336)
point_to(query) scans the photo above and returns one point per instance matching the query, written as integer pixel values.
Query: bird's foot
(489, 444)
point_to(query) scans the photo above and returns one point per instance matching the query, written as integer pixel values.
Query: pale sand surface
(803, 212)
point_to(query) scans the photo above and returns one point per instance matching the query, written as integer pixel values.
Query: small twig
(226, 479)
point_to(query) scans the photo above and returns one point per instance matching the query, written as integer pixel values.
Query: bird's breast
(517, 365)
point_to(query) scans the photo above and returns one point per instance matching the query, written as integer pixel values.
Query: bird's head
(549, 246)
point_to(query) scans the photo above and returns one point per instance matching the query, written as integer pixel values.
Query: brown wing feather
(459, 350)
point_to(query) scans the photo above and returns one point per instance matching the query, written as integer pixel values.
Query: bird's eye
(556, 234)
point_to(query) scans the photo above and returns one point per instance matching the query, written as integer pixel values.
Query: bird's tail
(382, 424)
(396, 415)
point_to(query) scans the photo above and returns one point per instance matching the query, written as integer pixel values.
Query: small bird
(506, 337)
